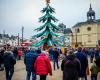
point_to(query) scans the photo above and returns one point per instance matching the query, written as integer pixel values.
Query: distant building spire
(90, 7)
(90, 14)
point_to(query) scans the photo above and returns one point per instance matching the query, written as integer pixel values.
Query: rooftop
(86, 23)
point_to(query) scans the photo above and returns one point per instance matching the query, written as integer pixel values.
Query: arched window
(78, 30)
(89, 38)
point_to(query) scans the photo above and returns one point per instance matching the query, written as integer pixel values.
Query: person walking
(84, 63)
(9, 62)
(1, 59)
(42, 66)
(29, 60)
(15, 52)
(55, 58)
(70, 67)
(91, 52)
(20, 52)
(95, 68)
(51, 53)
(97, 52)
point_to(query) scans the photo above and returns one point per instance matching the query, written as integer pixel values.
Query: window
(89, 38)
(89, 28)
(78, 30)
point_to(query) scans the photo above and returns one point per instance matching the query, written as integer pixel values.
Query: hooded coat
(42, 65)
(70, 67)
(9, 59)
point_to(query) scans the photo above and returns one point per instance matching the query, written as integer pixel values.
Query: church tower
(90, 14)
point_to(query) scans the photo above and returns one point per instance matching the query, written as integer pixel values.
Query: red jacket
(42, 65)
(20, 52)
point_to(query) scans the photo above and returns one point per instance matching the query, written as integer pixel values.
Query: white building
(6, 39)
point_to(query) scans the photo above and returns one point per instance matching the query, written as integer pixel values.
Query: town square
(49, 40)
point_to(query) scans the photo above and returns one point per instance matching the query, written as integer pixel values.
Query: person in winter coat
(94, 71)
(42, 66)
(9, 62)
(51, 53)
(97, 52)
(1, 59)
(70, 67)
(95, 68)
(15, 52)
(38, 51)
(29, 60)
(20, 52)
(91, 52)
(84, 63)
(25, 51)
(55, 58)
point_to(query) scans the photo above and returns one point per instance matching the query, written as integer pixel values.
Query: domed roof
(90, 11)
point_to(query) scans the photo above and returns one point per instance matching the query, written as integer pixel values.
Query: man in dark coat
(84, 63)
(29, 61)
(70, 67)
(9, 62)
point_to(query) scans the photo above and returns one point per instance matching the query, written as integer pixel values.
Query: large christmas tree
(47, 30)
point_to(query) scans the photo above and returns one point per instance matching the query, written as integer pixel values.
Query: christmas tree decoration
(48, 29)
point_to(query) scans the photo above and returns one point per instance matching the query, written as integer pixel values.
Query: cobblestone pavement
(20, 73)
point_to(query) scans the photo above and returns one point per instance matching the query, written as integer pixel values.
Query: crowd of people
(74, 62)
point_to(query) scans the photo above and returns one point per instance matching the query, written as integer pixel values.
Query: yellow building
(87, 33)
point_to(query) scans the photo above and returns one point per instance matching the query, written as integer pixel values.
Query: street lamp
(76, 45)
(3, 36)
(22, 33)
(18, 39)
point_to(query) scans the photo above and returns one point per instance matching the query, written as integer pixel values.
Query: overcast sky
(17, 13)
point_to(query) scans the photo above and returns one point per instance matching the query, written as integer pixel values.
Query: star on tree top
(47, 1)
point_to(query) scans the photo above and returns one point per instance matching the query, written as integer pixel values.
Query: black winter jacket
(9, 59)
(70, 67)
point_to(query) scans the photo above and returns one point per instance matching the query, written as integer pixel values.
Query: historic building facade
(87, 33)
